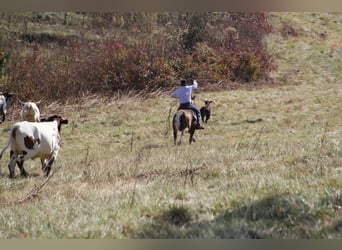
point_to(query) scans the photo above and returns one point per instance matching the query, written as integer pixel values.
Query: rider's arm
(194, 84)
(175, 94)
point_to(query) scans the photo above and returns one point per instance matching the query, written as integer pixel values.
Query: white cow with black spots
(30, 140)
(4, 98)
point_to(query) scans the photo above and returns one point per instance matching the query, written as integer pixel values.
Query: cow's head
(207, 103)
(4, 97)
(60, 120)
(7, 95)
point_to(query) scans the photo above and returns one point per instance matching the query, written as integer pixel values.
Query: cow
(4, 99)
(206, 111)
(30, 140)
(30, 112)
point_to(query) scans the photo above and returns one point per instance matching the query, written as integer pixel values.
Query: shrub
(4, 57)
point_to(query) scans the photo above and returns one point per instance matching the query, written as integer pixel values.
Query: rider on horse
(183, 94)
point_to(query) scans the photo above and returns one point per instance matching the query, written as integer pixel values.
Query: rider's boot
(199, 126)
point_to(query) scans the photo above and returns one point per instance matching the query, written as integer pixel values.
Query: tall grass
(120, 177)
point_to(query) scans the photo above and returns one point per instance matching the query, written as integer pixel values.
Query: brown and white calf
(30, 112)
(30, 140)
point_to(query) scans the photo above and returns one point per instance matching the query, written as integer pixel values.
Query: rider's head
(183, 82)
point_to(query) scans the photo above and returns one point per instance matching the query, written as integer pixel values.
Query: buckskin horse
(184, 121)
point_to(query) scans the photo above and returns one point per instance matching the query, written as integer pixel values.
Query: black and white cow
(30, 140)
(4, 98)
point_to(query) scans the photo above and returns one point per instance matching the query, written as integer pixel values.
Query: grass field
(267, 165)
(120, 177)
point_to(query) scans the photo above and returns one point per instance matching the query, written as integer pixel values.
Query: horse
(184, 121)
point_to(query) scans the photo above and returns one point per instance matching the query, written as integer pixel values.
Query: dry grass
(279, 177)
(268, 165)
(312, 53)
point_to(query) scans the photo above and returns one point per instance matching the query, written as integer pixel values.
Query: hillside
(68, 55)
(307, 47)
(267, 165)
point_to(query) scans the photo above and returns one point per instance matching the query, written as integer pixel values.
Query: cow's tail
(4, 149)
(12, 133)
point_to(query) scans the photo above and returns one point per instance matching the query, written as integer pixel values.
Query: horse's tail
(177, 119)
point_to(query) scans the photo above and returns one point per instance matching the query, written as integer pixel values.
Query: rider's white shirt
(184, 93)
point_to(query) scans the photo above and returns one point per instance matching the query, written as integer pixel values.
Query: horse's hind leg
(191, 138)
(180, 138)
(175, 136)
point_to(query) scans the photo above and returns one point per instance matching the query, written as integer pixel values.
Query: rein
(168, 124)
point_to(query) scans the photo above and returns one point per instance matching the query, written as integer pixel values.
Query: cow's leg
(48, 166)
(12, 162)
(20, 163)
(207, 116)
(42, 161)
